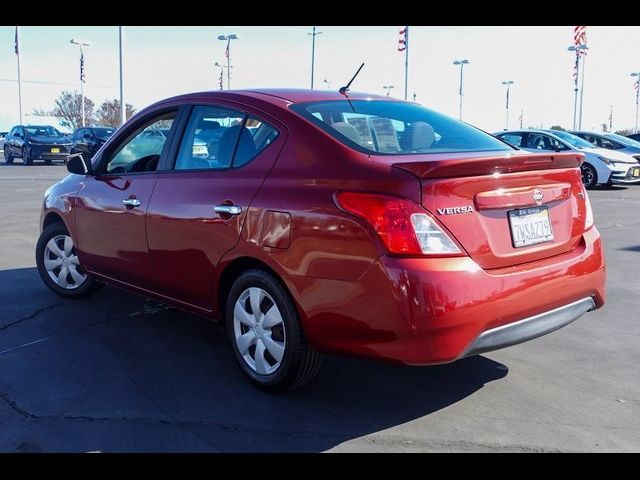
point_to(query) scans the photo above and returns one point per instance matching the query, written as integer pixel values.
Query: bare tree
(625, 132)
(68, 110)
(109, 113)
(41, 112)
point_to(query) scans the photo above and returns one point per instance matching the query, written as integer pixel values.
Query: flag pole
(406, 61)
(575, 89)
(584, 61)
(123, 108)
(19, 78)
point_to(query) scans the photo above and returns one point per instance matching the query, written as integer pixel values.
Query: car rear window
(395, 128)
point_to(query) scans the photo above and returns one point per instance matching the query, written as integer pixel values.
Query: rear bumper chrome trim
(529, 328)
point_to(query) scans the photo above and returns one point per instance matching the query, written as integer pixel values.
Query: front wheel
(589, 175)
(26, 156)
(266, 334)
(58, 264)
(8, 159)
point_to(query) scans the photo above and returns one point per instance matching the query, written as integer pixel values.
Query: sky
(165, 61)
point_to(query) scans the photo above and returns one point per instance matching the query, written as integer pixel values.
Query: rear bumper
(529, 328)
(427, 311)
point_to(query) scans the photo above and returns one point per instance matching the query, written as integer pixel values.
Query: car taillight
(404, 227)
(588, 223)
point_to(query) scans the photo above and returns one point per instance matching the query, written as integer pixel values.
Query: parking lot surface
(118, 373)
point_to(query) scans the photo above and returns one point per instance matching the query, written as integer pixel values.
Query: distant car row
(46, 143)
(609, 158)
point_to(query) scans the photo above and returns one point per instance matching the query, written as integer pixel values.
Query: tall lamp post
(508, 83)
(637, 75)
(227, 38)
(387, 88)
(578, 50)
(81, 43)
(313, 34)
(123, 107)
(462, 63)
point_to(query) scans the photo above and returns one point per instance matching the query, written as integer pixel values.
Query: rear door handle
(228, 209)
(131, 202)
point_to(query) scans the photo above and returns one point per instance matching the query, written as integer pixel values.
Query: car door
(199, 206)
(112, 204)
(17, 141)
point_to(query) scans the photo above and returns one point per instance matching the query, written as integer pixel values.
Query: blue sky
(165, 61)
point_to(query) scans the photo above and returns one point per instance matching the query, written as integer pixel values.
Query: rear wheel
(26, 156)
(589, 175)
(266, 335)
(58, 264)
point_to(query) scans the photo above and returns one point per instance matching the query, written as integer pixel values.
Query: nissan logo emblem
(538, 196)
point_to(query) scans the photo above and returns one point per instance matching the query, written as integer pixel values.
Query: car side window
(78, 134)
(514, 139)
(210, 139)
(141, 151)
(536, 141)
(610, 144)
(256, 136)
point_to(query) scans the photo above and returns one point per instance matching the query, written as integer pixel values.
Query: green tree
(68, 110)
(108, 114)
(557, 127)
(625, 132)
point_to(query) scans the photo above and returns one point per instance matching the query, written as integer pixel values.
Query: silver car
(612, 141)
(601, 166)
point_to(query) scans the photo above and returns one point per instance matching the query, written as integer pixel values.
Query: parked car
(364, 225)
(601, 166)
(612, 141)
(88, 140)
(634, 136)
(36, 142)
(2, 137)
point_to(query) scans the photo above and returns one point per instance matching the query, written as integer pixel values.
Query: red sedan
(314, 222)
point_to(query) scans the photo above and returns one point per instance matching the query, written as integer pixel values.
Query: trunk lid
(472, 195)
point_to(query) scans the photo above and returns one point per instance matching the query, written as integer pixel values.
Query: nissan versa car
(600, 166)
(320, 222)
(36, 142)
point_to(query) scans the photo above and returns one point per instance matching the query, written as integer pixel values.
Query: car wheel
(266, 334)
(58, 264)
(8, 159)
(26, 156)
(589, 175)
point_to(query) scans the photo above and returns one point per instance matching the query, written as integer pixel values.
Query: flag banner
(403, 40)
(579, 38)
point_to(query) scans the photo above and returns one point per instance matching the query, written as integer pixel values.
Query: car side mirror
(78, 165)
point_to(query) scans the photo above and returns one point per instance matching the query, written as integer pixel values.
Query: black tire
(87, 288)
(8, 158)
(26, 156)
(300, 363)
(589, 175)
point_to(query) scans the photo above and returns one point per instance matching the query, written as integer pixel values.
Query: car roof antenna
(345, 89)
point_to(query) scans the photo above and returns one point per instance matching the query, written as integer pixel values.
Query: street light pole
(313, 52)
(81, 43)
(123, 109)
(508, 84)
(637, 74)
(462, 63)
(227, 38)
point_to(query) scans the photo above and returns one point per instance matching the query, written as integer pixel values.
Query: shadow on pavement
(120, 373)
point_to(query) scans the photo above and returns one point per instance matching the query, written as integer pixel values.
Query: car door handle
(131, 202)
(228, 209)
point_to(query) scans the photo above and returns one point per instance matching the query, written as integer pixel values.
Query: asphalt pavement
(120, 373)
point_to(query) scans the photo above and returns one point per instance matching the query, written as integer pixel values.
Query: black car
(36, 142)
(634, 136)
(88, 140)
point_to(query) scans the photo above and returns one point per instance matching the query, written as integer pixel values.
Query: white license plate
(530, 226)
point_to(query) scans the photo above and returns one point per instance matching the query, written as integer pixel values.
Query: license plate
(55, 150)
(636, 172)
(530, 226)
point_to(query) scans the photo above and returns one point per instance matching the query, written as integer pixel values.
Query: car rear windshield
(395, 128)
